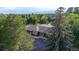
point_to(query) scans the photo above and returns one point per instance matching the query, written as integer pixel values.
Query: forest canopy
(65, 35)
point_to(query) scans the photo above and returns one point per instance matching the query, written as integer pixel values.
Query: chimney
(37, 28)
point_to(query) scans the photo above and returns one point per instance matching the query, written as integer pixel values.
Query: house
(40, 29)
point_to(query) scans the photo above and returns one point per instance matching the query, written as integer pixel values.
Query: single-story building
(40, 29)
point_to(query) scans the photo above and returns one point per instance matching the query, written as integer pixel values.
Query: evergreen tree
(44, 19)
(13, 35)
(61, 37)
(73, 20)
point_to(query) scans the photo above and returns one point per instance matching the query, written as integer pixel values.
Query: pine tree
(61, 37)
(13, 35)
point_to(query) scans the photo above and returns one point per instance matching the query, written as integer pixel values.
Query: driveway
(39, 44)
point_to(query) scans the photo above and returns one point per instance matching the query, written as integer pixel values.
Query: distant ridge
(26, 10)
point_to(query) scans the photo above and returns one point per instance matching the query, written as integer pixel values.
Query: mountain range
(26, 10)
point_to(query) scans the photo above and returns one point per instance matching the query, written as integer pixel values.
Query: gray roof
(40, 27)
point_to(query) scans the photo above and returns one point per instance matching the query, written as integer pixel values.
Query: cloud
(39, 3)
(10, 8)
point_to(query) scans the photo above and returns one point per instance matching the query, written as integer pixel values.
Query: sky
(40, 8)
(23, 10)
(42, 5)
(38, 3)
